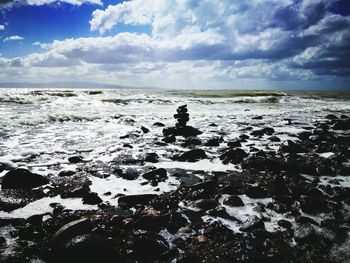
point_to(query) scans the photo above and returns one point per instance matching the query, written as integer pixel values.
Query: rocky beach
(174, 176)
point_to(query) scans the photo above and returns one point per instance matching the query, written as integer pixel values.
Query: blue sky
(178, 43)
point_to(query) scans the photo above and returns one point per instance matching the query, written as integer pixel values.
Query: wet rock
(192, 155)
(205, 204)
(132, 200)
(92, 199)
(22, 179)
(128, 174)
(35, 219)
(306, 220)
(186, 131)
(70, 230)
(257, 117)
(149, 246)
(313, 205)
(191, 141)
(75, 159)
(88, 248)
(343, 124)
(233, 200)
(2, 168)
(331, 117)
(144, 129)
(292, 147)
(158, 175)
(274, 139)
(213, 125)
(66, 173)
(256, 192)
(268, 130)
(212, 142)
(252, 223)
(284, 223)
(234, 156)
(151, 157)
(169, 139)
(158, 124)
(304, 135)
(234, 143)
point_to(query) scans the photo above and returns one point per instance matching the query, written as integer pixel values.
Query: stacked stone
(182, 117)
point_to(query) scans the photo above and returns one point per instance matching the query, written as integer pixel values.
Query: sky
(178, 44)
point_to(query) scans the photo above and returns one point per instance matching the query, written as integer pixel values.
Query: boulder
(132, 200)
(158, 175)
(148, 247)
(343, 124)
(205, 204)
(212, 142)
(233, 200)
(144, 129)
(22, 179)
(92, 199)
(234, 156)
(186, 131)
(252, 223)
(192, 155)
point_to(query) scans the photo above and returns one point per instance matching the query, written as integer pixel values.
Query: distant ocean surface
(53, 120)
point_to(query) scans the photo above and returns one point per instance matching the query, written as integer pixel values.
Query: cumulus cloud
(193, 41)
(13, 38)
(2, 27)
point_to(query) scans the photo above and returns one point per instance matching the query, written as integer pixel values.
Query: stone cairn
(182, 117)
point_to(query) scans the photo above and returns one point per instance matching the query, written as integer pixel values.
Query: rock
(256, 192)
(144, 129)
(191, 141)
(306, 220)
(158, 175)
(70, 230)
(148, 247)
(35, 219)
(274, 139)
(66, 173)
(292, 147)
(151, 157)
(234, 156)
(132, 200)
(342, 125)
(233, 200)
(158, 124)
(169, 139)
(192, 155)
(205, 204)
(2, 167)
(268, 130)
(252, 223)
(213, 125)
(234, 143)
(129, 174)
(186, 131)
(22, 179)
(92, 199)
(284, 223)
(331, 117)
(257, 117)
(88, 248)
(304, 135)
(212, 142)
(314, 205)
(75, 159)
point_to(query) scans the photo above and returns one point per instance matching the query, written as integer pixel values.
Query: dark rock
(186, 131)
(66, 173)
(213, 142)
(158, 175)
(234, 156)
(128, 145)
(293, 147)
(256, 192)
(252, 223)
(313, 205)
(274, 139)
(2, 167)
(22, 179)
(284, 223)
(132, 200)
(234, 143)
(192, 155)
(158, 124)
(129, 174)
(75, 159)
(331, 117)
(144, 129)
(342, 125)
(304, 135)
(192, 141)
(233, 200)
(257, 117)
(70, 230)
(205, 204)
(35, 219)
(213, 125)
(148, 247)
(88, 248)
(306, 220)
(151, 157)
(92, 199)
(268, 130)
(169, 139)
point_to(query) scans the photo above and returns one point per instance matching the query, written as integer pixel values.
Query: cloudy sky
(298, 44)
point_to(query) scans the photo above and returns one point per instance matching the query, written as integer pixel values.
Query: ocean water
(41, 129)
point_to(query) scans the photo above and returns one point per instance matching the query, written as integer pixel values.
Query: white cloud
(10, 4)
(13, 38)
(2, 27)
